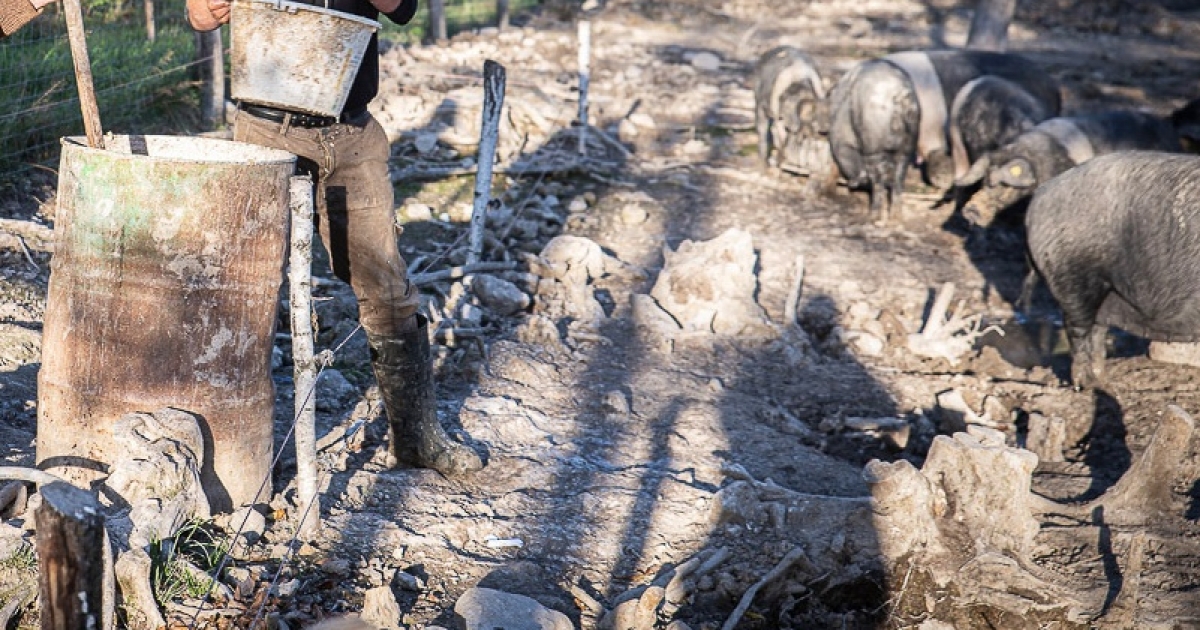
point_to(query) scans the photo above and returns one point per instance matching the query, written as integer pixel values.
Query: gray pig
(1117, 241)
(789, 101)
(887, 112)
(988, 113)
(1008, 176)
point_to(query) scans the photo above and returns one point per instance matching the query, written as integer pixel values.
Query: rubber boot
(405, 376)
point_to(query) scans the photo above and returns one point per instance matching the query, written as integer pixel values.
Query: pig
(789, 103)
(1007, 176)
(886, 113)
(1117, 242)
(988, 113)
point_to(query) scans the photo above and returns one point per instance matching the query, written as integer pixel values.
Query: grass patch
(22, 559)
(198, 543)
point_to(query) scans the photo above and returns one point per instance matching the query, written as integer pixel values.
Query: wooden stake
(493, 103)
(70, 549)
(83, 73)
(502, 14)
(437, 19)
(585, 54)
(304, 369)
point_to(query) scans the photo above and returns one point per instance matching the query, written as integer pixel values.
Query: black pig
(1008, 176)
(887, 112)
(988, 113)
(789, 101)
(1117, 241)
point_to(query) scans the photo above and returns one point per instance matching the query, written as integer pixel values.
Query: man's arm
(398, 11)
(17, 13)
(206, 15)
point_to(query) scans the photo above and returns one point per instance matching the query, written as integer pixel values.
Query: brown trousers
(355, 214)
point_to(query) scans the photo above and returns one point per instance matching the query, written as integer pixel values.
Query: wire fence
(146, 71)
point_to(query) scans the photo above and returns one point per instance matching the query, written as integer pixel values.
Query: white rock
(426, 143)
(706, 61)
(380, 609)
(578, 204)
(485, 609)
(642, 120)
(418, 212)
(500, 296)
(866, 344)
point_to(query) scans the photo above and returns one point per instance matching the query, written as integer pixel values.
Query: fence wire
(145, 72)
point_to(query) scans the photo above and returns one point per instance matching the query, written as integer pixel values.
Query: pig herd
(1110, 199)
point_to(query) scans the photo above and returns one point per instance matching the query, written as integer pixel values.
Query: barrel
(164, 288)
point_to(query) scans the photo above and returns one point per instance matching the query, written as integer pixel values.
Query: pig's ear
(1016, 172)
(975, 174)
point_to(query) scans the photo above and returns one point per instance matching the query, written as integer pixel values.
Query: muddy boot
(405, 375)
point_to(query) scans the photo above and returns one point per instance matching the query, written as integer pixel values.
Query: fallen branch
(32, 475)
(786, 563)
(15, 599)
(951, 338)
(454, 273)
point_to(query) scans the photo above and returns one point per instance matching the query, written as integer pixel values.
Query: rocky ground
(617, 441)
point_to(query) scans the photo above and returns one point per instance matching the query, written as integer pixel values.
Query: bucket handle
(292, 9)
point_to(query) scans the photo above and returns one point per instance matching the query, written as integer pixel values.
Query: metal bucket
(295, 56)
(163, 292)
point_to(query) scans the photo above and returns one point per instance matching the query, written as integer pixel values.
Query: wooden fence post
(211, 57)
(149, 6)
(304, 369)
(493, 104)
(585, 54)
(437, 20)
(502, 14)
(70, 549)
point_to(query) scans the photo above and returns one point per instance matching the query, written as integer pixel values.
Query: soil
(605, 450)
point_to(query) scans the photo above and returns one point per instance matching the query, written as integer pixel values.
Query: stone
(333, 391)
(486, 609)
(1175, 352)
(380, 608)
(499, 296)
(706, 61)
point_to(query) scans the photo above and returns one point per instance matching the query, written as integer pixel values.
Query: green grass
(140, 86)
(22, 559)
(198, 542)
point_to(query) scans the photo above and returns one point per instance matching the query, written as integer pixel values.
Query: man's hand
(219, 10)
(206, 15)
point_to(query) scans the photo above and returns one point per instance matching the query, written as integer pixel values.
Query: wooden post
(70, 549)
(437, 20)
(493, 104)
(304, 369)
(210, 54)
(585, 53)
(149, 6)
(989, 24)
(83, 73)
(502, 17)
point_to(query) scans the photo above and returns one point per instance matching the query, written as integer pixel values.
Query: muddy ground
(606, 446)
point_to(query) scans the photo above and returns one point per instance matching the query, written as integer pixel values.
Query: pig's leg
(1080, 298)
(1087, 355)
(762, 123)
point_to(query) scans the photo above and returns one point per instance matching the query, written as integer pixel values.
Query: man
(347, 157)
(17, 13)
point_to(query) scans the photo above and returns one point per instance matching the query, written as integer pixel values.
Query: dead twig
(786, 563)
(454, 273)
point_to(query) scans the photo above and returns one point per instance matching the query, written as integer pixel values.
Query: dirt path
(606, 447)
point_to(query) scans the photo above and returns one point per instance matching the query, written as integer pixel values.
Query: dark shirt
(366, 84)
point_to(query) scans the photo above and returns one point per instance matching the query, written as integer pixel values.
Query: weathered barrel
(163, 292)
